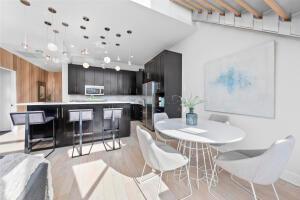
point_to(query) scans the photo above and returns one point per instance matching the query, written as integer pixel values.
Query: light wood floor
(112, 175)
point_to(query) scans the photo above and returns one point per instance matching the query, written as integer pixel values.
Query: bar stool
(114, 115)
(33, 118)
(80, 115)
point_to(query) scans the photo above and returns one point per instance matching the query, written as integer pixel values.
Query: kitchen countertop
(77, 103)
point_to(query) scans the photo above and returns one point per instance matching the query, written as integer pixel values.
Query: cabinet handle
(62, 113)
(57, 113)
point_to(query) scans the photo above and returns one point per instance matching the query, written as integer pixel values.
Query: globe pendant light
(117, 68)
(86, 65)
(51, 45)
(107, 59)
(24, 44)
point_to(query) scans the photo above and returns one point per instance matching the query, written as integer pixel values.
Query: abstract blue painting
(242, 83)
(233, 80)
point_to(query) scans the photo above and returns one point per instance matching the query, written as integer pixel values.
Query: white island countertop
(77, 103)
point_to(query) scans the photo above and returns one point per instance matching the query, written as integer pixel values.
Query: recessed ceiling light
(107, 29)
(72, 45)
(85, 18)
(65, 24)
(83, 27)
(129, 32)
(117, 44)
(86, 37)
(118, 35)
(47, 23)
(107, 59)
(117, 68)
(25, 2)
(102, 37)
(86, 65)
(52, 10)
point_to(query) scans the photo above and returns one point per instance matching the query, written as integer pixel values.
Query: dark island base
(64, 128)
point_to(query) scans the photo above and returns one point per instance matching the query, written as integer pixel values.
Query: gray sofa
(37, 184)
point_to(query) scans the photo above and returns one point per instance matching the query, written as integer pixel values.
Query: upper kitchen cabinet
(115, 82)
(99, 77)
(90, 76)
(76, 79)
(166, 69)
(139, 79)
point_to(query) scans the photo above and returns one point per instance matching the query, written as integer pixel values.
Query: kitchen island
(64, 128)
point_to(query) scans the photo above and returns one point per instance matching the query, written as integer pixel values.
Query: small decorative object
(41, 91)
(190, 103)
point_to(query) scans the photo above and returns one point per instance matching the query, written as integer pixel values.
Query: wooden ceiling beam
(249, 8)
(194, 4)
(185, 5)
(278, 9)
(228, 7)
(211, 6)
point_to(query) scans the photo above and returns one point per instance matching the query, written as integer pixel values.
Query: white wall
(213, 41)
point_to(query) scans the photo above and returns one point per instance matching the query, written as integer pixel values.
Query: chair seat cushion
(239, 154)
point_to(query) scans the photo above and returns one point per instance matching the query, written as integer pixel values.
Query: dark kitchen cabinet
(90, 76)
(139, 79)
(126, 82)
(115, 82)
(72, 79)
(107, 82)
(120, 82)
(76, 79)
(99, 80)
(166, 69)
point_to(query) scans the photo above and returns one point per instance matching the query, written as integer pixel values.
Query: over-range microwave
(94, 90)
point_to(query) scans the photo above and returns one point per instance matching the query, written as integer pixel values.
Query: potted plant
(190, 103)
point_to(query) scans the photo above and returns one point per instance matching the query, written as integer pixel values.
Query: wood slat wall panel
(27, 77)
(54, 85)
(6, 59)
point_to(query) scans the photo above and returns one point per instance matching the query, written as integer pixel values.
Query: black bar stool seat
(113, 115)
(33, 118)
(80, 115)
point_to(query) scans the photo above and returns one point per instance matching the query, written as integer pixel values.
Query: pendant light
(51, 45)
(117, 68)
(64, 50)
(86, 65)
(24, 44)
(106, 59)
(129, 32)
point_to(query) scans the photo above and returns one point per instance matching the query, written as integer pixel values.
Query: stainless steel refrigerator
(149, 95)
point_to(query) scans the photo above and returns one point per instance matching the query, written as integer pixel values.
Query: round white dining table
(206, 131)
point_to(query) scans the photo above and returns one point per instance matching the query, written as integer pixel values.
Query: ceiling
(151, 31)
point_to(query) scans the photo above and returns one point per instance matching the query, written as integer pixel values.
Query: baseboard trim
(291, 177)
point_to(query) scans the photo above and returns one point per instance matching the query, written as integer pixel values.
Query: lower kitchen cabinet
(64, 128)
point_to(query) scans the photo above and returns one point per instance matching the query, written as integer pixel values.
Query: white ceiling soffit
(270, 21)
(152, 31)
